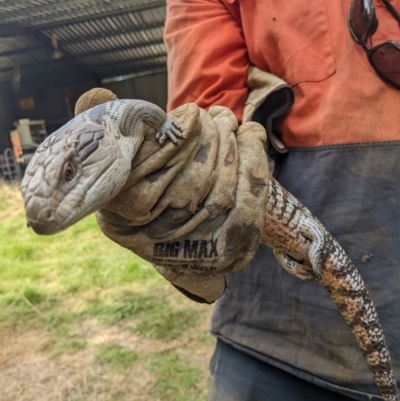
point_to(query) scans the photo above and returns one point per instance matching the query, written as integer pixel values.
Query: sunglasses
(385, 57)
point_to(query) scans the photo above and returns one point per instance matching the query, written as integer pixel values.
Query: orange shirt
(338, 96)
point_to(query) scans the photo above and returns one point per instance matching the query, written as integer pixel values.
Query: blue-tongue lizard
(60, 188)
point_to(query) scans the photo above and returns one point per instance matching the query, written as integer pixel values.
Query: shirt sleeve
(207, 55)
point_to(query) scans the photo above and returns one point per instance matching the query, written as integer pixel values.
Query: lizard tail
(307, 250)
(346, 287)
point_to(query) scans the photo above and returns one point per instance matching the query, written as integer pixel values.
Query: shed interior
(51, 51)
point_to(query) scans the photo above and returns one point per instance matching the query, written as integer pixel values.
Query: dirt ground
(40, 361)
(29, 372)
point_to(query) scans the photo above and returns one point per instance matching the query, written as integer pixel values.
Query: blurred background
(82, 319)
(52, 51)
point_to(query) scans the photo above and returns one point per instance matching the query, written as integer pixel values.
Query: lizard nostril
(47, 214)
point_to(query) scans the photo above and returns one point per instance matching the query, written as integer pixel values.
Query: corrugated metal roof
(96, 38)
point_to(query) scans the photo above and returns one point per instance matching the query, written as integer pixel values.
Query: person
(16, 143)
(279, 338)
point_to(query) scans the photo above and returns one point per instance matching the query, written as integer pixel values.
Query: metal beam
(36, 74)
(105, 14)
(119, 49)
(31, 65)
(47, 83)
(133, 61)
(147, 61)
(131, 66)
(111, 33)
(125, 77)
(25, 50)
(6, 29)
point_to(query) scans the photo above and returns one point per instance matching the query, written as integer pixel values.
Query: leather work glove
(195, 210)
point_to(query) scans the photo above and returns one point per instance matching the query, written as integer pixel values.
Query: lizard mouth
(44, 222)
(44, 228)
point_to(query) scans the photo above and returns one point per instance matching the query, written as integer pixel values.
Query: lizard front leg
(291, 231)
(311, 230)
(139, 111)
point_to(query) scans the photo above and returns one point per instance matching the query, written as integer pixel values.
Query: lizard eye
(69, 171)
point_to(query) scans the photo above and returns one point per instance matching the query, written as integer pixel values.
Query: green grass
(119, 358)
(80, 274)
(76, 285)
(44, 271)
(175, 380)
(8, 194)
(154, 317)
(165, 323)
(66, 344)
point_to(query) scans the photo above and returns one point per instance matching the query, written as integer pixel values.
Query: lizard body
(86, 163)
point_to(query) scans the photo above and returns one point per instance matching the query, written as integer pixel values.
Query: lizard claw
(170, 130)
(311, 267)
(316, 234)
(292, 266)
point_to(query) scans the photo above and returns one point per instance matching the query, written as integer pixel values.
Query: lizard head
(74, 172)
